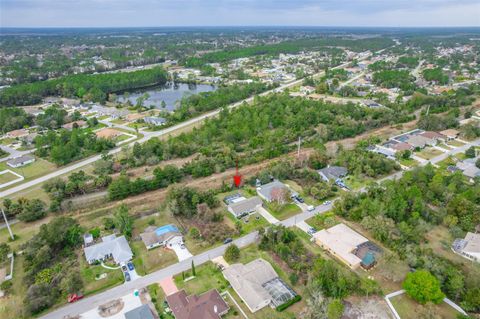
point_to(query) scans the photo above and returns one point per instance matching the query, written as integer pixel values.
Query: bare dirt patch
(111, 308)
(366, 308)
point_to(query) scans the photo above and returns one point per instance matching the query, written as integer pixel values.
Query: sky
(156, 13)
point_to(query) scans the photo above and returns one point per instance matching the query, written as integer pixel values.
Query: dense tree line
(394, 79)
(13, 118)
(65, 146)
(373, 44)
(50, 262)
(399, 213)
(94, 87)
(197, 104)
(436, 75)
(24, 209)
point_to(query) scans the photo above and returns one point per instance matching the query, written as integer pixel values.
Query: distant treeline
(95, 87)
(296, 46)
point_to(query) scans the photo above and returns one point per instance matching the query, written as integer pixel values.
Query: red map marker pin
(237, 179)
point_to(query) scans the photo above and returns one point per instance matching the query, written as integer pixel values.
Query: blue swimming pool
(166, 229)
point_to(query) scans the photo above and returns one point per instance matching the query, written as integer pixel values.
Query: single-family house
(402, 146)
(17, 133)
(258, 285)
(420, 141)
(273, 191)
(451, 134)
(161, 236)
(111, 246)
(70, 126)
(142, 312)
(156, 121)
(434, 136)
(21, 161)
(87, 239)
(345, 244)
(332, 173)
(209, 305)
(469, 247)
(108, 133)
(245, 206)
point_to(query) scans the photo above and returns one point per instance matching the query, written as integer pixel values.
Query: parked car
(310, 208)
(311, 231)
(227, 241)
(300, 199)
(127, 276)
(130, 266)
(124, 268)
(327, 202)
(74, 297)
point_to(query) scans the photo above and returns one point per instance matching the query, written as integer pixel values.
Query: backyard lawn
(255, 222)
(408, 308)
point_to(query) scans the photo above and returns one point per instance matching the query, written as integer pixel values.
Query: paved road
(12, 153)
(94, 301)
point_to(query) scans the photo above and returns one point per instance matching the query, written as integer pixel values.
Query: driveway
(168, 286)
(179, 248)
(265, 214)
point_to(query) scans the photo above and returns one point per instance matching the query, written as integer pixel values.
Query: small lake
(169, 93)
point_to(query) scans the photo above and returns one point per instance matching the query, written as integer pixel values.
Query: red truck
(74, 297)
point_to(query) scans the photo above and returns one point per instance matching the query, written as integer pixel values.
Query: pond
(169, 93)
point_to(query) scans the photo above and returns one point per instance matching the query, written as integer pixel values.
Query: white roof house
(341, 241)
(244, 207)
(21, 161)
(110, 247)
(469, 247)
(258, 285)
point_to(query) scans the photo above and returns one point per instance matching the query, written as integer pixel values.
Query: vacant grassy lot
(455, 143)
(7, 177)
(408, 308)
(249, 223)
(429, 153)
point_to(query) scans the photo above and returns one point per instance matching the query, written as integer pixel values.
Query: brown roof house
(17, 133)
(451, 134)
(209, 305)
(71, 125)
(108, 133)
(402, 147)
(434, 136)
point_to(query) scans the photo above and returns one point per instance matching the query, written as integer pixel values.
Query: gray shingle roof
(142, 312)
(333, 172)
(117, 247)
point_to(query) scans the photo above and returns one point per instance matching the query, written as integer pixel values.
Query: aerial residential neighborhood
(246, 160)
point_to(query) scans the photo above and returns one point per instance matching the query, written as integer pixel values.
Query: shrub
(284, 306)
(422, 286)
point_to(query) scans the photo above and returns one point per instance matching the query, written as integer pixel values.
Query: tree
(32, 210)
(232, 253)
(72, 283)
(470, 152)
(4, 251)
(194, 273)
(477, 163)
(194, 233)
(123, 221)
(335, 309)
(423, 287)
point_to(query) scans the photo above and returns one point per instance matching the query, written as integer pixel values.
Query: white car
(310, 208)
(328, 202)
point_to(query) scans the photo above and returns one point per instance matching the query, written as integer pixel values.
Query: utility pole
(8, 225)
(298, 150)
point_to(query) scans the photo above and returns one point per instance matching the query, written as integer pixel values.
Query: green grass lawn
(428, 153)
(318, 221)
(255, 222)
(409, 162)
(158, 298)
(408, 308)
(90, 272)
(284, 211)
(7, 177)
(118, 121)
(7, 140)
(455, 143)
(445, 146)
(147, 261)
(36, 169)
